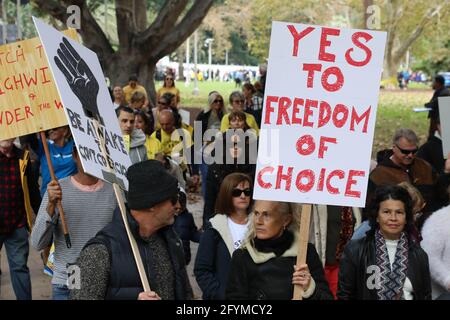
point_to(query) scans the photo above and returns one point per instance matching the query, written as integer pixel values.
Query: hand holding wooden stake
(302, 244)
(58, 205)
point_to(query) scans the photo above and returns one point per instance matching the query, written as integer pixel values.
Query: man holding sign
(106, 263)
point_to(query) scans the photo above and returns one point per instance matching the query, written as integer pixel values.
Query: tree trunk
(148, 78)
(366, 4)
(140, 46)
(119, 70)
(180, 55)
(391, 68)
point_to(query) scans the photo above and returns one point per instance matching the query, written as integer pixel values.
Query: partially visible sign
(29, 100)
(185, 116)
(81, 85)
(444, 113)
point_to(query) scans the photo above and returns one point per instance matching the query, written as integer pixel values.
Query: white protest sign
(321, 98)
(185, 116)
(444, 113)
(83, 91)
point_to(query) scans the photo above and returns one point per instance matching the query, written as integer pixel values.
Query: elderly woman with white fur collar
(264, 267)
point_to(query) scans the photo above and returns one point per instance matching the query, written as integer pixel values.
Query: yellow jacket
(23, 164)
(250, 119)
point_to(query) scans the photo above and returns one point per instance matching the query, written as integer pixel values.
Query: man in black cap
(107, 266)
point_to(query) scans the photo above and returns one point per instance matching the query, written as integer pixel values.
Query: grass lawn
(395, 109)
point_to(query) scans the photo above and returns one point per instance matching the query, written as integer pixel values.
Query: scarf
(392, 281)
(278, 245)
(346, 232)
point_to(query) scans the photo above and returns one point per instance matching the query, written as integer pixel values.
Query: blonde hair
(285, 208)
(211, 97)
(418, 202)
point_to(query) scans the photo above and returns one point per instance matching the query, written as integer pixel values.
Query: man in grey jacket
(134, 138)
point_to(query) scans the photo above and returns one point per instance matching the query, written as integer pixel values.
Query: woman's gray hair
(286, 208)
(408, 134)
(235, 94)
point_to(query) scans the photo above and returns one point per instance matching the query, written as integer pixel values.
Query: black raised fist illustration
(80, 78)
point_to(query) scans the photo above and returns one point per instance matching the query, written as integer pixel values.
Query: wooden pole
(123, 211)
(302, 244)
(52, 175)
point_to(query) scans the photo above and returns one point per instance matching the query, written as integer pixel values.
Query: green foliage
(239, 53)
(395, 111)
(264, 12)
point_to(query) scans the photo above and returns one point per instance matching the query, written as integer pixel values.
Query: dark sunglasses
(218, 101)
(163, 103)
(406, 152)
(237, 192)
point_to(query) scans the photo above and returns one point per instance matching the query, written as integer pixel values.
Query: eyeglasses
(237, 192)
(238, 101)
(406, 152)
(218, 101)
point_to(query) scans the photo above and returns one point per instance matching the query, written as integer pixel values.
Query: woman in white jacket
(436, 243)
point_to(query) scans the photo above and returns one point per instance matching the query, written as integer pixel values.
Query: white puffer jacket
(436, 243)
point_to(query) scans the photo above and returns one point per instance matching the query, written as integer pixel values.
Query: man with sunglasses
(400, 164)
(107, 266)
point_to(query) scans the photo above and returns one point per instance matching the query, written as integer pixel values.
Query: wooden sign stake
(52, 175)
(302, 243)
(123, 211)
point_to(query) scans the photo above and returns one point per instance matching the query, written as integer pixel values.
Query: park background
(144, 37)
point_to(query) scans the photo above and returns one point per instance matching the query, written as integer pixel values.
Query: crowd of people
(397, 247)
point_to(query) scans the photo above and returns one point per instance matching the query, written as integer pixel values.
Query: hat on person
(149, 184)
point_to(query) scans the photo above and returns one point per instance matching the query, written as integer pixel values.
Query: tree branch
(180, 33)
(125, 28)
(394, 9)
(163, 24)
(426, 19)
(93, 36)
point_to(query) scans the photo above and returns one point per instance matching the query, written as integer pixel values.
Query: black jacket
(212, 261)
(204, 117)
(354, 271)
(124, 281)
(186, 229)
(434, 102)
(431, 151)
(272, 279)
